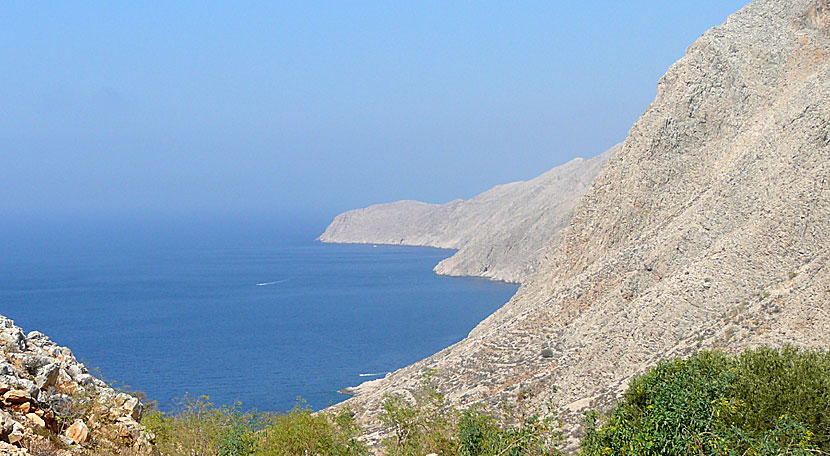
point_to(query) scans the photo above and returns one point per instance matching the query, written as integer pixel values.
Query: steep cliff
(709, 228)
(499, 234)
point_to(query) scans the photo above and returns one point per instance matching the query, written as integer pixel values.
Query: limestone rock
(47, 376)
(35, 419)
(78, 432)
(16, 436)
(132, 407)
(499, 234)
(130, 430)
(17, 397)
(709, 228)
(11, 335)
(7, 449)
(6, 424)
(21, 408)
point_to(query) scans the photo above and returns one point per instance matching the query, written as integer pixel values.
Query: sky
(192, 109)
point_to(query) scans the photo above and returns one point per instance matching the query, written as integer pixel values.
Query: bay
(240, 318)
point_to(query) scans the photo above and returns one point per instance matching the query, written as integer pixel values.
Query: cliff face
(499, 234)
(50, 404)
(709, 228)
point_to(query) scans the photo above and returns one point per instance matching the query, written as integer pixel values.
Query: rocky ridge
(710, 228)
(51, 404)
(499, 234)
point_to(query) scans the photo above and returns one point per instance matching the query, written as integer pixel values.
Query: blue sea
(254, 316)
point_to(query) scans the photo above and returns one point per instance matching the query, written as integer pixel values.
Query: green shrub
(301, 433)
(762, 402)
(480, 434)
(236, 439)
(197, 427)
(423, 426)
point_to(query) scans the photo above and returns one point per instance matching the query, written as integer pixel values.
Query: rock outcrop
(51, 404)
(710, 228)
(500, 234)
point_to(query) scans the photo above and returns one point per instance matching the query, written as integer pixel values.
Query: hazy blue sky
(146, 108)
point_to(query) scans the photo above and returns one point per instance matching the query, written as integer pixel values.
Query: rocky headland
(710, 228)
(51, 404)
(500, 234)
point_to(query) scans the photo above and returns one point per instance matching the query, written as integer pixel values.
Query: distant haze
(142, 109)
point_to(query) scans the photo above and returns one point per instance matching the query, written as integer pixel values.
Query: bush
(196, 427)
(762, 402)
(301, 432)
(429, 424)
(199, 427)
(420, 427)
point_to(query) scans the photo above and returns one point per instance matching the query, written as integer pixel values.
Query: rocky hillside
(709, 228)
(50, 404)
(499, 234)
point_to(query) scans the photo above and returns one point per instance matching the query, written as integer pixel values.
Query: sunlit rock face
(709, 228)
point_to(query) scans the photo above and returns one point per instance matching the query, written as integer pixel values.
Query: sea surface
(239, 317)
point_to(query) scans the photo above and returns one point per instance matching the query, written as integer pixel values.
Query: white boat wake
(265, 284)
(381, 374)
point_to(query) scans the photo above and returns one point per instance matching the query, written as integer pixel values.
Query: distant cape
(499, 234)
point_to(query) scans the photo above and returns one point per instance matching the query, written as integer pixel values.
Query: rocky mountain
(51, 404)
(710, 228)
(499, 234)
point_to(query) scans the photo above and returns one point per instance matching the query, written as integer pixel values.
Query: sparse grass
(45, 443)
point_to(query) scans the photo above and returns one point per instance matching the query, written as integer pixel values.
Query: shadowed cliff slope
(709, 228)
(500, 234)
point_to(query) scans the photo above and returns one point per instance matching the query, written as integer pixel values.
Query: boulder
(85, 380)
(141, 439)
(6, 368)
(11, 335)
(7, 449)
(132, 407)
(78, 432)
(36, 420)
(24, 408)
(47, 375)
(17, 396)
(16, 436)
(6, 424)
(76, 370)
(20, 384)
